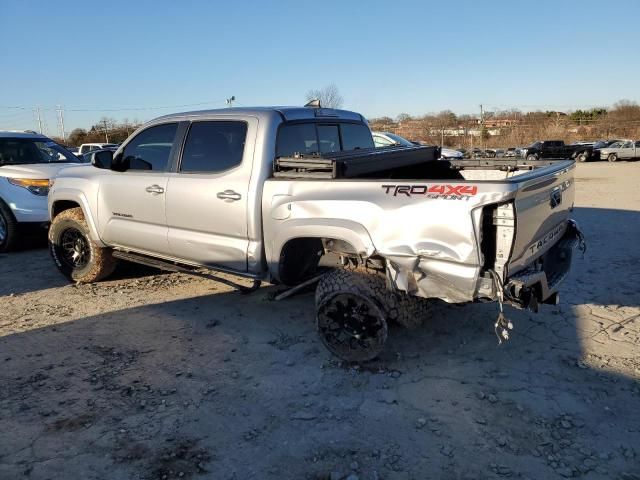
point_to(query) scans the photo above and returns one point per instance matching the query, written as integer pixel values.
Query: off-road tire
(351, 325)
(612, 157)
(406, 310)
(9, 228)
(99, 263)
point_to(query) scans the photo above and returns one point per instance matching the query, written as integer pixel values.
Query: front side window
(213, 146)
(398, 140)
(381, 141)
(21, 151)
(150, 149)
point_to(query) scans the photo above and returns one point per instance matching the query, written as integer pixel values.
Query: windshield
(399, 140)
(21, 151)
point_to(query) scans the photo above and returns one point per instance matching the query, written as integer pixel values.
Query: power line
(120, 109)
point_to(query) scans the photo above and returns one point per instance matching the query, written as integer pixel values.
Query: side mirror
(102, 159)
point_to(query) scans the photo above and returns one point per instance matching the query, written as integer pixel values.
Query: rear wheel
(532, 157)
(582, 157)
(75, 254)
(399, 307)
(8, 228)
(352, 326)
(612, 157)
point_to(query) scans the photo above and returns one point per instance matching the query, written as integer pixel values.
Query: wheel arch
(6, 205)
(303, 240)
(60, 203)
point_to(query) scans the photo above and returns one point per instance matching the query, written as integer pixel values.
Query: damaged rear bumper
(540, 282)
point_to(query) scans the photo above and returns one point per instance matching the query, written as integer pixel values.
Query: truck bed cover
(354, 163)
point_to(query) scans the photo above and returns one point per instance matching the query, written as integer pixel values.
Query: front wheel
(532, 157)
(74, 253)
(612, 157)
(582, 157)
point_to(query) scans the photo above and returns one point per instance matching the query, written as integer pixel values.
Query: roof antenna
(315, 103)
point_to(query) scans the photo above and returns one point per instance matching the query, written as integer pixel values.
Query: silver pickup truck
(264, 193)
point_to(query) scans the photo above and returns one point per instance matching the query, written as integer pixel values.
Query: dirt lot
(169, 376)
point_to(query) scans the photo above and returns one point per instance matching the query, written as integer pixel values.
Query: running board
(174, 267)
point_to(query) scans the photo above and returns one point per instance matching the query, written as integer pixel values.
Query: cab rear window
(318, 138)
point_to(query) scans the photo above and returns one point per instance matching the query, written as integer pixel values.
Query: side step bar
(175, 267)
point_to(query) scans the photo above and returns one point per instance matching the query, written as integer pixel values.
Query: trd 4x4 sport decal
(444, 191)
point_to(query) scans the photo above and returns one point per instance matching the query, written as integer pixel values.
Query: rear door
(206, 201)
(543, 203)
(131, 202)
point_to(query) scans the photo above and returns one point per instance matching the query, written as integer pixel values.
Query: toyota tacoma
(264, 193)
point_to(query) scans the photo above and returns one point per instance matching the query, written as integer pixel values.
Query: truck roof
(287, 113)
(20, 134)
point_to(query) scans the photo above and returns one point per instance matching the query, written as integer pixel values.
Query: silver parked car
(387, 139)
(625, 150)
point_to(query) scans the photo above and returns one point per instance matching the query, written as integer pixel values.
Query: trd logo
(431, 191)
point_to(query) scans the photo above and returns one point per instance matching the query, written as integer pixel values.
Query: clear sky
(385, 57)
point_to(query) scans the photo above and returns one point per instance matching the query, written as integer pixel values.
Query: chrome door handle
(156, 189)
(229, 196)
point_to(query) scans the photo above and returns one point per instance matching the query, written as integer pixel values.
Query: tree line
(496, 129)
(515, 127)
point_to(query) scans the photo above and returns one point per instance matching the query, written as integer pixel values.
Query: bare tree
(329, 96)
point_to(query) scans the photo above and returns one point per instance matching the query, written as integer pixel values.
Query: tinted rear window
(329, 137)
(306, 139)
(299, 138)
(356, 136)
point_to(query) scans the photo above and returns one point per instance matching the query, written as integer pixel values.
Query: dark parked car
(557, 149)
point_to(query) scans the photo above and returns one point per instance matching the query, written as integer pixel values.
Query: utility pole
(481, 127)
(39, 118)
(231, 100)
(106, 131)
(60, 111)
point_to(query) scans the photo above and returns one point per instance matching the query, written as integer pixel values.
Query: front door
(627, 151)
(207, 198)
(131, 208)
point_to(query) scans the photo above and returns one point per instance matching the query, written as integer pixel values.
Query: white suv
(27, 162)
(88, 147)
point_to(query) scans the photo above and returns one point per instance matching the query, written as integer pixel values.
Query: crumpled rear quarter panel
(430, 241)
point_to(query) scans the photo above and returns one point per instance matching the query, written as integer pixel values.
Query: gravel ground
(169, 376)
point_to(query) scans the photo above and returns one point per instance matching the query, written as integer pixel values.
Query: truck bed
(399, 162)
(440, 231)
(361, 163)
